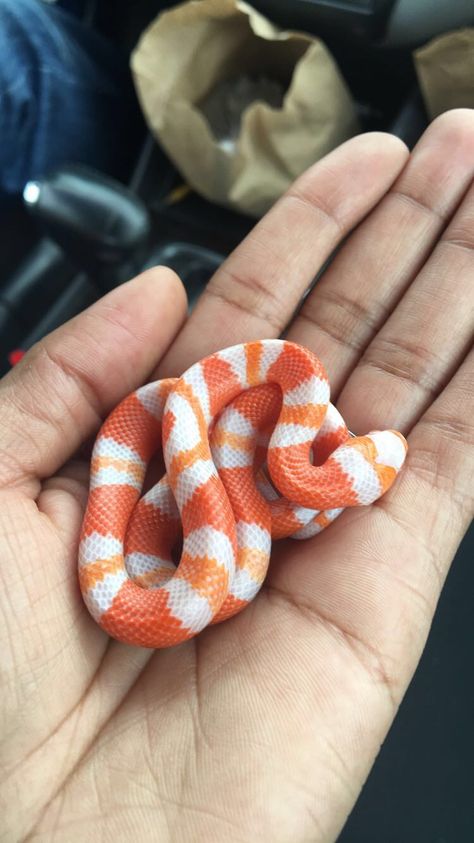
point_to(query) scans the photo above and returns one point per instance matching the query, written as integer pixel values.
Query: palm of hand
(263, 728)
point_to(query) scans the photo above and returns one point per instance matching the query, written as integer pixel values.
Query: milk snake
(253, 450)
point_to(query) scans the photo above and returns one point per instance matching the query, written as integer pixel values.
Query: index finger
(60, 392)
(256, 290)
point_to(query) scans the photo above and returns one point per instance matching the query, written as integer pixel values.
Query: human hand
(262, 728)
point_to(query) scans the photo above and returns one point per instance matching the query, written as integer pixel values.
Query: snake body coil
(253, 450)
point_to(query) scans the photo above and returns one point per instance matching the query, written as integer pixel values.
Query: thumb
(64, 386)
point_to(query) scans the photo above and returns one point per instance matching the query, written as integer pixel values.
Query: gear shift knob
(101, 225)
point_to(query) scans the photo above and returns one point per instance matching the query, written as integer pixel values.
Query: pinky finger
(435, 492)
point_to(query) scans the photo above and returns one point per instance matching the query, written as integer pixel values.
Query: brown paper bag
(189, 50)
(445, 69)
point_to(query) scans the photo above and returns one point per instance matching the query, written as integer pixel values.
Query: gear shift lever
(101, 225)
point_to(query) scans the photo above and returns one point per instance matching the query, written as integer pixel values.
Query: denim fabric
(74, 6)
(65, 95)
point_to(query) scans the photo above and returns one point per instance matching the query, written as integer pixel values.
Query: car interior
(76, 233)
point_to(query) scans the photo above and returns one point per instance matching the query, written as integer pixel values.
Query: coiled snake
(253, 450)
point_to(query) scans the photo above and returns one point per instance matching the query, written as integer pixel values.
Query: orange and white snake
(253, 450)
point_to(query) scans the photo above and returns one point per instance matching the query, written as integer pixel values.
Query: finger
(438, 479)
(63, 499)
(257, 289)
(423, 342)
(378, 263)
(381, 569)
(57, 396)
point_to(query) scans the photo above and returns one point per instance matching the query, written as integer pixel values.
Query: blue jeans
(65, 96)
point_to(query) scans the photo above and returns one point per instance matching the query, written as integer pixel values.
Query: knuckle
(341, 317)
(405, 360)
(247, 295)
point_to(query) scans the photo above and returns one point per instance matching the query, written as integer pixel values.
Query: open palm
(263, 728)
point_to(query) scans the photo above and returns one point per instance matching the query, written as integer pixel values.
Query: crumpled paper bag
(193, 48)
(445, 70)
